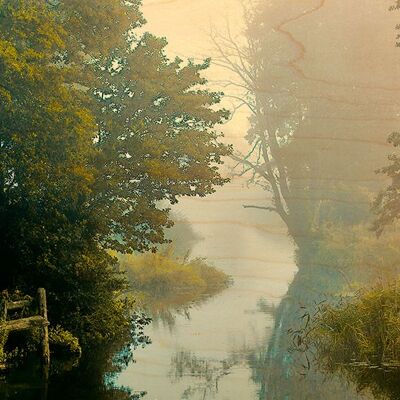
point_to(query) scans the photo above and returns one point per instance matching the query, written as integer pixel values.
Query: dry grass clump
(162, 281)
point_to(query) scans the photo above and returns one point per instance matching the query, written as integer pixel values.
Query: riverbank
(164, 281)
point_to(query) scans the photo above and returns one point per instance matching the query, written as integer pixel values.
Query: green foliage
(365, 329)
(387, 204)
(359, 338)
(157, 124)
(98, 128)
(354, 255)
(63, 342)
(97, 26)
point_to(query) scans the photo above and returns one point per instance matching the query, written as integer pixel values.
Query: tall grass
(359, 338)
(161, 280)
(365, 329)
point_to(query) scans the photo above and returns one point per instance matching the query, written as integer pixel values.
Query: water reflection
(382, 383)
(355, 337)
(86, 382)
(280, 373)
(275, 372)
(165, 313)
(206, 373)
(93, 379)
(266, 307)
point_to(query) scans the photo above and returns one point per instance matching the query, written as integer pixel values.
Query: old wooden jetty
(28, 323)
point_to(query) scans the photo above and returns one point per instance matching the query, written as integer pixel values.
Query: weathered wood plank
(22, 324)
(3, 315)
(45, 331)
(15, 305)
(25, 323)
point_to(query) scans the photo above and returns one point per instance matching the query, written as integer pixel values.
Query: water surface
(207, 353)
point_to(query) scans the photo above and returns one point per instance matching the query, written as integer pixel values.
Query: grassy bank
(163, 281)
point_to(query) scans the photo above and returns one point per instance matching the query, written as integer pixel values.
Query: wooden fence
(28, 323)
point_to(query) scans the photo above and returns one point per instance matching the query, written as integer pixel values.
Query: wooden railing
(36, 321)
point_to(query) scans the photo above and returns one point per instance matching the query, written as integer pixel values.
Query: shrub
(63, 342)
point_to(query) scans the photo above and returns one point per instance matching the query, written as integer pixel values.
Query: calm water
(207, 354)
(337, 62)
(233, 346)
(344, 72)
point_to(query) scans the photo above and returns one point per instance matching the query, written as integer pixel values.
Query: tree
(387, 203)
(156, 142)
(98, 129)
(47, 176)
(156, 139)
(303, 165)
(46, 139)
(274, 156)
(269, 133)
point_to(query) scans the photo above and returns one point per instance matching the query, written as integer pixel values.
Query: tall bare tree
(301, 161)
(275, 114)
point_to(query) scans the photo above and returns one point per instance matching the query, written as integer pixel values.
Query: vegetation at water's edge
(100, 132)
(319, 178)
(162, 280)
(359, 337)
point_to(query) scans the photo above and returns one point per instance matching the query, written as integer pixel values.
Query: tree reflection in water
(276, 370)
(382, 382)
(92, 378)
(206, 373)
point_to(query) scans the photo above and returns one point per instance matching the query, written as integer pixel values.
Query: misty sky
(338, 56)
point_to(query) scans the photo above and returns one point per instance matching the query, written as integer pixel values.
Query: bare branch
(244, 102)
(229, 64)
(272, 209)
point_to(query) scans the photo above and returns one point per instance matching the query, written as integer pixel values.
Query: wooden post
(45, 331)
(4, 311)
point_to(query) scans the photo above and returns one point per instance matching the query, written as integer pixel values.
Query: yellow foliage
(162, 281)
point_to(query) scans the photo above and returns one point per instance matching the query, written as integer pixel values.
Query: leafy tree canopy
(98, 130)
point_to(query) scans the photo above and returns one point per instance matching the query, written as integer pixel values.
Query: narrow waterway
(207, 353)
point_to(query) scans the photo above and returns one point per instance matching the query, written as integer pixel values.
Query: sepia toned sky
(338, 55)
(187, 23)
(348, 38)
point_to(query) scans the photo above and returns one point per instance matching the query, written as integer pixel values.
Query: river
(321, 55)
(338, 60)
(206, 353)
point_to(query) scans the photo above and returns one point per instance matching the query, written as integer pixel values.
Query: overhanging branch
(273, 209)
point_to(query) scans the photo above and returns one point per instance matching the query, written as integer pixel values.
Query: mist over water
(313, 87)
(332, 78)
(230, 327)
